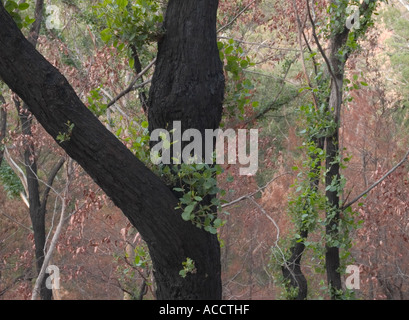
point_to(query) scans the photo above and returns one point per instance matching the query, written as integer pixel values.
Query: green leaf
(244, 64)
(122, 3)
(218, 223)
(229, 50)
(23, 6)
(189, 208)
(106, 35)
(186, 216)
(255, 104)
(211, 229)
(10, 5)
(29, 20)
(131, 63)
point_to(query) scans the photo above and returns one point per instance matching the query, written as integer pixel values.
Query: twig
(273, 104)
(235, 18)
(16, 222)
(132, 86)
(300, 29)
(50, 251)
(269, 218)
(376, 183)
(248, 196)
(259, 44)
(17, 170)
(327, 62)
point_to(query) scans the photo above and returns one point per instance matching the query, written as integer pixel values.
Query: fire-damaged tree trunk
(188, 85)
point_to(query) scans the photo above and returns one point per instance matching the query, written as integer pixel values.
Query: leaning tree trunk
(146, 201)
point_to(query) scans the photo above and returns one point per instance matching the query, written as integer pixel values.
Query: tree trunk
(3, 126)
(292, 268)
(188, 86)
(141, 195)
(37, 215)
(337, 64)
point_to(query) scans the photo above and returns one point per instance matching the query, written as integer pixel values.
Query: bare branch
(248, 196)
(300, 29)
(50, 181)
(377, 182)
(327, 62)
(259, 44)
(235, 18)
(132, 86)
(35, 27)
(16, 222)
(273, 104)
(54, 240)
(17, 170)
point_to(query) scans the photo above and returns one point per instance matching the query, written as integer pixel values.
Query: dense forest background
(275, 75)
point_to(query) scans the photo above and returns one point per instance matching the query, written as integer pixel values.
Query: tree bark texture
(188, 86)
(188, 83)
(146, 201)
(3, 125)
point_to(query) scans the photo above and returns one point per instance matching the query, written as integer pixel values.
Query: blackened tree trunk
(292, 268)
(188, 86)
(188, 83)
(146, 201)
(339, 54)
(3, 125)
(337, 65)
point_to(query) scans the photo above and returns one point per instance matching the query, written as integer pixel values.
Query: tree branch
(143, 197)
(259, 44)
(47, 258)
(17, 170)
(132, 86)
(235, 18)
(327, 62)
(376, 183)
(50, 182)
(248, 196)
(300, 29)
(35, 27)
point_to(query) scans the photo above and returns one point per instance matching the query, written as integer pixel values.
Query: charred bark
(3, 126)
(188, 86)
(146, 201)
